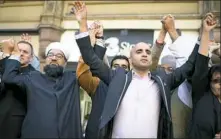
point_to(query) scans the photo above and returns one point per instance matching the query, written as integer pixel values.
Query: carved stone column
(50, 29)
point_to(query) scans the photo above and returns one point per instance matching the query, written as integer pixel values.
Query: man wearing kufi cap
(53, 98)
(168, 62)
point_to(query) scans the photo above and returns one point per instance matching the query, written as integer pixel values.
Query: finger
(213, 26)
(29, 38)
(162, 21)
(83, 6)
(77, 5)
(171, 16)
(164, 17)
(210, 18)
(208, 15)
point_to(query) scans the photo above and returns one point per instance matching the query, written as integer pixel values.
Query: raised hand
(99, 28)
(92, 33)
(209, 22)
(80, 11)
(169, 22)
(26, 37)
(7, 46)
(163, 24)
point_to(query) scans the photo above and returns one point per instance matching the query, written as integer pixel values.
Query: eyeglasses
(57, 56)
(169, 69)
(216, 81)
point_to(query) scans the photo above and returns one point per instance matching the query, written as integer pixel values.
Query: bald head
(140, 45)
(141, 57)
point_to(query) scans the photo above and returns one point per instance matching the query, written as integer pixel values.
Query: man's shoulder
(70, 73)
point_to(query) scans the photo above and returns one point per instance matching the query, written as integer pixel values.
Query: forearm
(161, 37)
(85, 78)
(156, 52)
(181, 50)
(204, 43)
(185, 71)
(157, 49)
(99, 49)
(200, 78)
(173, 34)
(98, 68)
(88, 82)
(11, 73)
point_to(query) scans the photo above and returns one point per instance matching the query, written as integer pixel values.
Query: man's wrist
(163, 31)
(171, 30)
(83, 26)
(99, 37)
(159, 42)
(173, 34)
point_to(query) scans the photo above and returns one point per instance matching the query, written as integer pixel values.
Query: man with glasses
(168, 63)
(53, 99)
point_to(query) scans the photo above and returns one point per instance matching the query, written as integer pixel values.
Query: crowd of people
(132, 97)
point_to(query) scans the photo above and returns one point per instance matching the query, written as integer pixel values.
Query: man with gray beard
(53, 99)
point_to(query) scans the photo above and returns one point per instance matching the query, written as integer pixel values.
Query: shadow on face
(56, 57)
(26, 53)
(120, 63)
(215, 84)
(141, 58)
(168, 69)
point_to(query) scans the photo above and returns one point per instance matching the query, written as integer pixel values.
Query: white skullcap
(58, 46)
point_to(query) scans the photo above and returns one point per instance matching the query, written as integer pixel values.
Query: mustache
(53, 70)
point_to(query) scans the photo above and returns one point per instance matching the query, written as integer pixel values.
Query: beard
(53, 70)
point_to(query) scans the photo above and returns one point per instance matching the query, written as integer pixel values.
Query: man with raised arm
(137, 103)
(53, 99)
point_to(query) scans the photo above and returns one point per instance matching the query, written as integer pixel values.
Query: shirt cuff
(81, 35)
(100, 42)
(14, 57)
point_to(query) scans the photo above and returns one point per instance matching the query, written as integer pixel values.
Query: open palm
(80, 11)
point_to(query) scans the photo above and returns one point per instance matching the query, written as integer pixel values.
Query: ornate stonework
(50, 29)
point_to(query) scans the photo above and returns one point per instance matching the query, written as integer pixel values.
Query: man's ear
(32, 58)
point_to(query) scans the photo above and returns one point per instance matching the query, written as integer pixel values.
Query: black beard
(53, 71)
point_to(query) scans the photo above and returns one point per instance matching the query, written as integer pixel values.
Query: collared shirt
(138, 114)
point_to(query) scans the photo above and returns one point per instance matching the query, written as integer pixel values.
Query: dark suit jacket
(12, 105)
(118, 83)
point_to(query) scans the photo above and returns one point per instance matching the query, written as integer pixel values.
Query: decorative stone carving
(49, 7)
(50, 27)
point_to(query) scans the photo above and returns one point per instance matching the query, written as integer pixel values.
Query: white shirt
(182, 49)
(138, 113)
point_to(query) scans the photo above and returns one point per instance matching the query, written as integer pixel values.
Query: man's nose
(21, 53)
(144, 54)
(53, 58)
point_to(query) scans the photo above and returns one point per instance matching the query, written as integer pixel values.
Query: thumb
(213, 26)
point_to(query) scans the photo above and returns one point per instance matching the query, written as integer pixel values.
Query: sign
(120, 42)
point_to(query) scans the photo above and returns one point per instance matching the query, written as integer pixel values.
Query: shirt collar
(135, 75)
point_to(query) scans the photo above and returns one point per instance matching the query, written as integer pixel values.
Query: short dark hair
(215, 68)
(212, 70)
(120, 57)
(25, 42)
